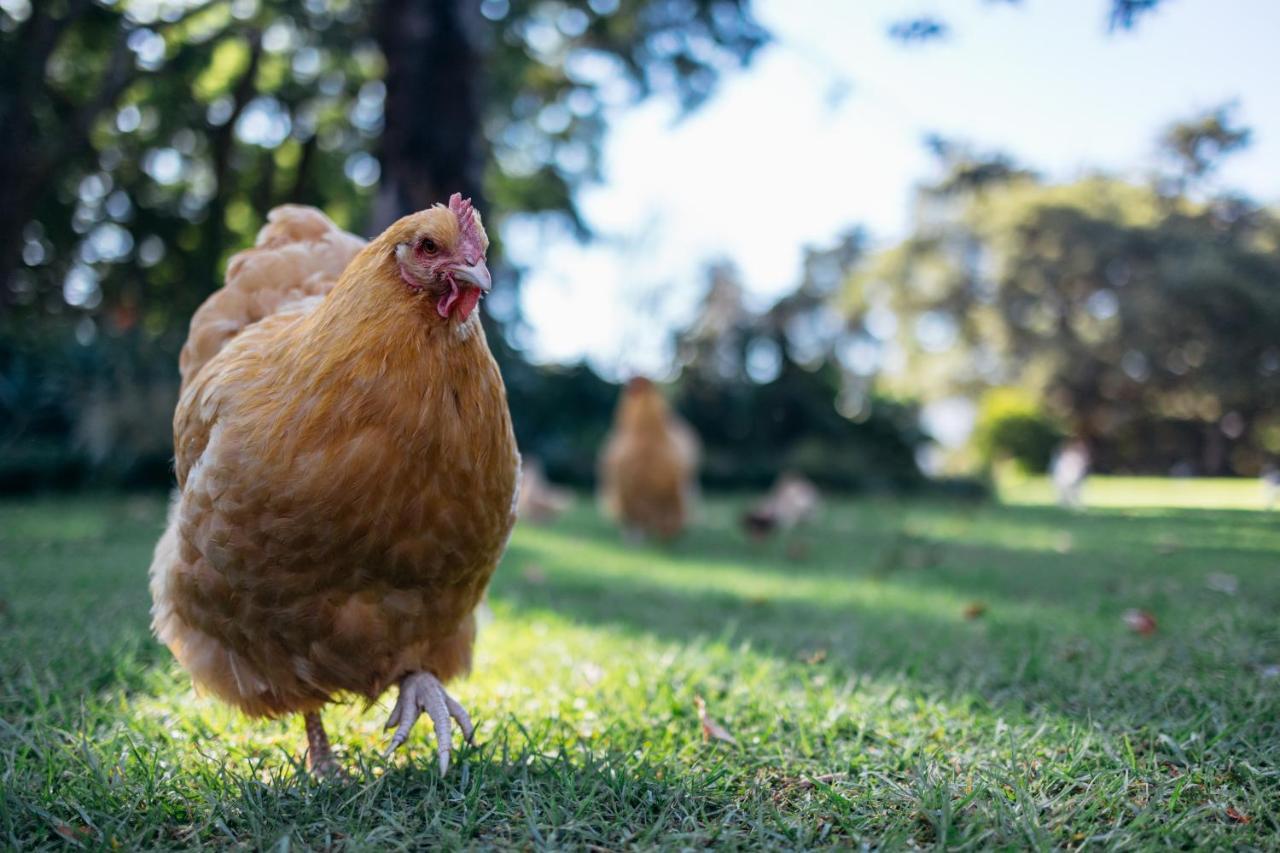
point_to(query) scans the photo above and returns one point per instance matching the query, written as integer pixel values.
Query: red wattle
(464, 298)
(467, 302)
(445, 304)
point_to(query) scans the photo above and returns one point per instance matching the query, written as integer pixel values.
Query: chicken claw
(422, 692)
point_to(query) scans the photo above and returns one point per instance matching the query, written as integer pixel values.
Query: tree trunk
(432, 144)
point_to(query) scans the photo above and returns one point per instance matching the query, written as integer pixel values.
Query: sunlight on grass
(1127, 492)
(870, 700)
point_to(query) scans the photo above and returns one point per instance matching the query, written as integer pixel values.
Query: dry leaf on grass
(1237, 816)
(974, 609)
(711, 730)
(72, 833)
(1140, 622)
(814, 657)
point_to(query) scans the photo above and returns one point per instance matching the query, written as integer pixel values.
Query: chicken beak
(476, 274)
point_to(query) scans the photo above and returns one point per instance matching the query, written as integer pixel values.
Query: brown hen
(648, 466)
(346, 473)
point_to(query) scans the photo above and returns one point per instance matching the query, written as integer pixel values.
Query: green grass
(867, 707)
(1125, 492)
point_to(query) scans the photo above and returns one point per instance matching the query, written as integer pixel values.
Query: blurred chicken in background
(1270, 486)
(540, 501)
(648, 467)
(1068, 470)
(792, 501)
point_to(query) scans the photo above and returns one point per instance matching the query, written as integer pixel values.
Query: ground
(902, 674)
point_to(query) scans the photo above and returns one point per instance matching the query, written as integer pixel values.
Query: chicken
(649, 464)
(540, 500)
(346, 473)
(792, 501)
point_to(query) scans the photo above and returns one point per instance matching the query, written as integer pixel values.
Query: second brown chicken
(648, 467)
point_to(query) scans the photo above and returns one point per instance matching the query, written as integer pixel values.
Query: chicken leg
(320, 760)
(421, 691)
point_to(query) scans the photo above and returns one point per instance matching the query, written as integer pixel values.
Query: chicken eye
(429, 246)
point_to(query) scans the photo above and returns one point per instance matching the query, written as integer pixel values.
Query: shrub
(1012, 425)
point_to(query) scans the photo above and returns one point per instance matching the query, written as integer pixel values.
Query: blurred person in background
(1069, 468)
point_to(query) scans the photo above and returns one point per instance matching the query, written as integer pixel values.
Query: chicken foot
(320, 759)
(421, 691)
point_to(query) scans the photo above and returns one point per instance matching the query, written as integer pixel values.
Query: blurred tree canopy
(146, 140)
(921, 28)
(1145, 318)
(767, 391)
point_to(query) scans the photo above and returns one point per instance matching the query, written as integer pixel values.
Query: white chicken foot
(421, 691)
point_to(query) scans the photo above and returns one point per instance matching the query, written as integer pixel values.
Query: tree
(767, 391)
(1197, 145)
(1146, 323)
(1121, 15)
(145, 143)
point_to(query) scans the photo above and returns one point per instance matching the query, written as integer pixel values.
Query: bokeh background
(894, 247)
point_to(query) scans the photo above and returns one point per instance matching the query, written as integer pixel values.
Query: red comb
(468, 228)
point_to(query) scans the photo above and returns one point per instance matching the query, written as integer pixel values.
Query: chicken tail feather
(299, 253)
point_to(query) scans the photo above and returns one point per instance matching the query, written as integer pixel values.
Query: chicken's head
(440, 253)
(642, 405)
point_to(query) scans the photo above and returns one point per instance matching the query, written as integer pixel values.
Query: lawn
(903, 674)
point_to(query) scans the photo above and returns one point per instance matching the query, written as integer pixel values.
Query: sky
(775, 161)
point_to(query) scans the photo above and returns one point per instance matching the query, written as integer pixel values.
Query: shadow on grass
(1043, 631)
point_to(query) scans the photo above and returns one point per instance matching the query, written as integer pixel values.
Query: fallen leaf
(535, 574)
(72, 833)
(974, 609)
(797, 550)
(710, 728)
(1223, 583)
(1140, 622)
(815, 657)
(1237, 816)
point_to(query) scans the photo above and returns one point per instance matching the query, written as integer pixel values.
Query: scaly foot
(320, 759)
(422, 692)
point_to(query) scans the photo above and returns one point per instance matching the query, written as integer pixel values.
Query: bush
(1011, 425)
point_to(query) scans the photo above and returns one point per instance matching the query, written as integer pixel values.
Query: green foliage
(1011, 425)
(1199, 144)
(1146, 323)
(768, 392)
(868, 710)
(145, 142)
(561, 416)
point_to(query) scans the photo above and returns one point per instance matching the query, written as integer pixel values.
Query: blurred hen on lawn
(346, 473)
(648, 467)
